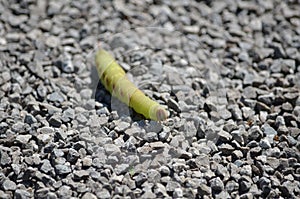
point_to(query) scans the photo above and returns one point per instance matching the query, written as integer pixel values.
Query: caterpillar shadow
(114, 104)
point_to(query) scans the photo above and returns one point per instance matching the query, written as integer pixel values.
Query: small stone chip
(157, 145)
(9, 185)
(81, 174)
(52, 42)
(63, 169)
(23, 139)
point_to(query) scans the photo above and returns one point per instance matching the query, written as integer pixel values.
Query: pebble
(224, 136)
(41, 90)
(64, 191)
(244, 186)
(174, 105)
(68, 115)
(121, 126)
(72, 156)
(87, 162)
(204, 189)
(52, 42)
(9, 185)
(89, 196)
(46, 25)
(14, 20)
(88, 42)
(216, 184)
(18, 127)
(55, 121)
(5, 158)
(20, 193)
(269, 132)
(148, 194)
(172, 185)
(55, 97)
(62, 169)
(46, 166)
(267, 99)
(23, 139)
(178, 193)
(260, 106)
(67, 65)
(82, 174)
(30, 119)
(265, 144)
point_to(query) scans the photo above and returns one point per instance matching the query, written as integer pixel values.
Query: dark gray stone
(262, 107)
(55, 121)
(224, 136)
(226, 149)
(245, 101)
(173, 105)
(72, 156)
(236, 112)
(30, 119)
(216, 184)
(267, 99)
(265, 144)
(255, 133)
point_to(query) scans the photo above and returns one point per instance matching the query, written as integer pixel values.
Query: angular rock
(9, 185)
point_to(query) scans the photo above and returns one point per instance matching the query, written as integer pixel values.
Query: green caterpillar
(114, 79)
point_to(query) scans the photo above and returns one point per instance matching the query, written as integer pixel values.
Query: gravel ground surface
(228, 71)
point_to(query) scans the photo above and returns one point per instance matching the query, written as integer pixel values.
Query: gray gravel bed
(227, 71)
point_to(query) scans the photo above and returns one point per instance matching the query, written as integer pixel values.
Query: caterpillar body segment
(114, 79)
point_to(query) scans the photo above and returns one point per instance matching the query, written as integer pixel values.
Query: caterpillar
(114, 79)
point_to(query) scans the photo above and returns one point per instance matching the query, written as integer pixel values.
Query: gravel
(228, 73)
